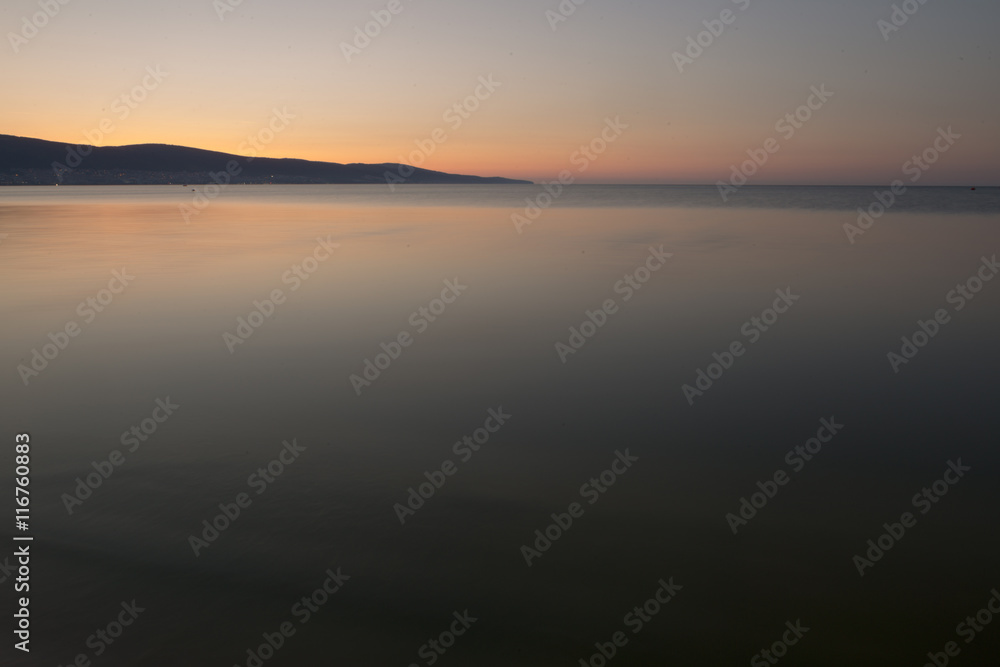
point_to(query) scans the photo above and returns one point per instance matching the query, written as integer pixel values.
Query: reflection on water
(259, 264)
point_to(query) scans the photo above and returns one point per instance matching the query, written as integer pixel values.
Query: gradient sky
(611, 58)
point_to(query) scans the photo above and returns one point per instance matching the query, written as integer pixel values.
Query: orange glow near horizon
(529, 97)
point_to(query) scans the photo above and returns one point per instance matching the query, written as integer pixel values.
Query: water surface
(493, 347)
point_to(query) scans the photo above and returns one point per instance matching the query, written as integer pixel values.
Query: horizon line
(534, 181)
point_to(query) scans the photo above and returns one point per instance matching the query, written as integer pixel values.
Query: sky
(289, 79)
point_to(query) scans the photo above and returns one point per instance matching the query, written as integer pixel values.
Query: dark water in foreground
(173, 331)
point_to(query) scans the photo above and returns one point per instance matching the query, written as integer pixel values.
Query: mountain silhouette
(25, 161)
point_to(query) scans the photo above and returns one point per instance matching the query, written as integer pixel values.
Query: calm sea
(717, 403)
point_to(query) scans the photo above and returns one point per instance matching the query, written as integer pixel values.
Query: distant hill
(26, 161)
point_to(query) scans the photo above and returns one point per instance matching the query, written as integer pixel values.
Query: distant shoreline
(26, 161)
